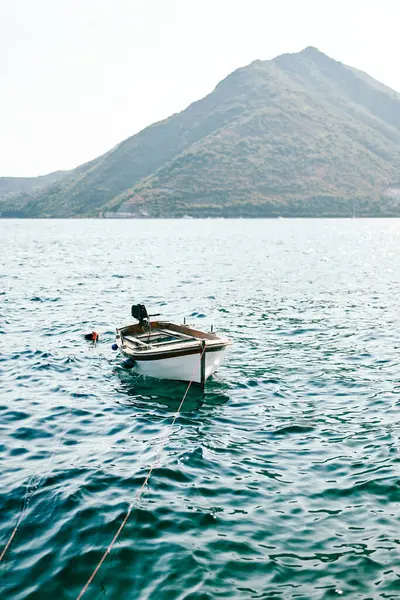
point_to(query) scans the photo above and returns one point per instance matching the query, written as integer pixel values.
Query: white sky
(79, 76)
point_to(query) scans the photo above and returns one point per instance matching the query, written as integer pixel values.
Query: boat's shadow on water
(169, 394)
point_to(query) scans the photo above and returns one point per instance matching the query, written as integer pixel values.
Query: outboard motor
(139, 312)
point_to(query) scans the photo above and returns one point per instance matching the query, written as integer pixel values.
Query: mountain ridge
(15, 185)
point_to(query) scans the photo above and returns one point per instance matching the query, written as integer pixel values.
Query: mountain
(13, 189)
(299, 135)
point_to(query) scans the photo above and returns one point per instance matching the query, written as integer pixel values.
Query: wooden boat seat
(160, 337)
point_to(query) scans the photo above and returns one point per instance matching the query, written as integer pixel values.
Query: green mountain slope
(300, 135)
(14, 189)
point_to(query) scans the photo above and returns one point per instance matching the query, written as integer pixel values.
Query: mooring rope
(27, 499)
(29, 494)
(140, 490)
(10, 539)
(31, 490)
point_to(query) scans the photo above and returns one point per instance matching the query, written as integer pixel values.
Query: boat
(165, 350)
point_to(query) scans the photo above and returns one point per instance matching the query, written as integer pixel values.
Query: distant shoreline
(292, 218)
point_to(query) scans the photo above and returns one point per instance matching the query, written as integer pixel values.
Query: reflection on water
(168, 393)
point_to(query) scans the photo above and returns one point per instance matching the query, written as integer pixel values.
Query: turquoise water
(281, 481)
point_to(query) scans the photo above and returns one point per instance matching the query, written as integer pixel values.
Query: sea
(280, 481)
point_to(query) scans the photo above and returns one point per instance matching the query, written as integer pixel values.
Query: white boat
(168, 351)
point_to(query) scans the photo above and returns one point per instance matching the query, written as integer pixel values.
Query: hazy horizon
(77, 79)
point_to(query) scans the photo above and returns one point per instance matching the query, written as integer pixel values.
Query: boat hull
(183, 368)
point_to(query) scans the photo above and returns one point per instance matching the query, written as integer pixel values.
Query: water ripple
(280, 481)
